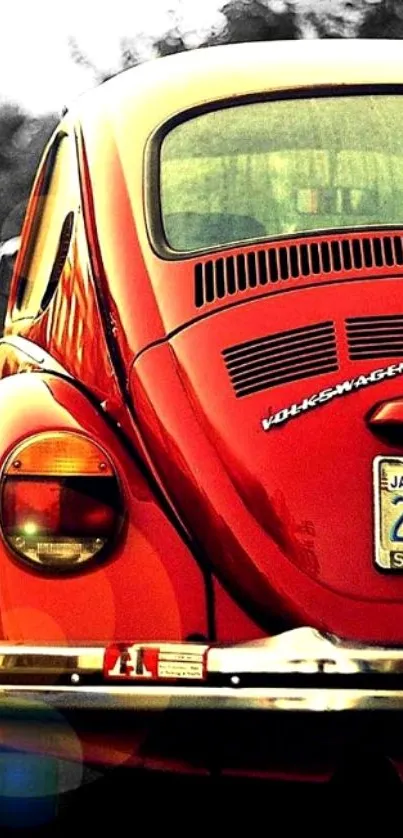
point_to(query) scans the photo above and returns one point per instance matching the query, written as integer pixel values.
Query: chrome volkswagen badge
(388, 498)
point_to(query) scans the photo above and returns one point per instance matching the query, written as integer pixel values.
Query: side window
(50, 232)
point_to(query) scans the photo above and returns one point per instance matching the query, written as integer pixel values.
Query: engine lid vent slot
(375, 337)
(228, 275)
(281, 357)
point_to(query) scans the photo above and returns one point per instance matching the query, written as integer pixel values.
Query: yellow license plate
(388, 497)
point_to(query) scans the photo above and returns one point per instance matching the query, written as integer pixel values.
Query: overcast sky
(35, 66)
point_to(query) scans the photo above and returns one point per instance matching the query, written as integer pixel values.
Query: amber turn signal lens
(58, 454)
(61, 504)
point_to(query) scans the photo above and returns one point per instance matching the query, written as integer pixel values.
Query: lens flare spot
(30, 528)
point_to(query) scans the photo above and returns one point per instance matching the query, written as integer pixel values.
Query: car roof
(119, 117)
(164, 86)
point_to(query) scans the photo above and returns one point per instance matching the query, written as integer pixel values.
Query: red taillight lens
(60, 500)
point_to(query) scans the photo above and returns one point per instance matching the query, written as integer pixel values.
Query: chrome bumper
(21, 700)
(300, 670)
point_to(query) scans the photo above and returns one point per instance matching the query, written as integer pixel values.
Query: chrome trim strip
(50, 661)
(24, 700)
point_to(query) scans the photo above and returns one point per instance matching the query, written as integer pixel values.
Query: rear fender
(149, 587)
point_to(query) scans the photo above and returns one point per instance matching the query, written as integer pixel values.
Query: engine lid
(281, 389)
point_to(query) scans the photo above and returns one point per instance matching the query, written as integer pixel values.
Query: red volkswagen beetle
(201, 506)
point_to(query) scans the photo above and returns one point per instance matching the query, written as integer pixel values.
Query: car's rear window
(281, 167)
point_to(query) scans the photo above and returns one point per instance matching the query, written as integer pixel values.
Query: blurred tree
(11, 121)
(257, 20)
(333, 18)
(170, 43)
(243, 20)
(383, 20)
(79, 57)
(129, 57)
(22, 141)
(12, 225)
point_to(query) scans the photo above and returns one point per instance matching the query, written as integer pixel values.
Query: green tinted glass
(282, 167)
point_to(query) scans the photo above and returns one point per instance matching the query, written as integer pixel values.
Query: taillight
(60, 503)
